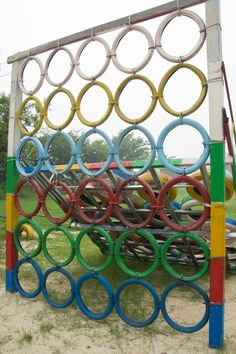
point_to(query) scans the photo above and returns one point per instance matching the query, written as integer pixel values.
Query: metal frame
(217, 155)
(107, 27)
(216, 321)
(12, 177)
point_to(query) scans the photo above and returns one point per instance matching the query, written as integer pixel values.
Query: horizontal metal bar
(106, 27)
(121, 228)
(132, 187)
(141, 211)
(156, 164)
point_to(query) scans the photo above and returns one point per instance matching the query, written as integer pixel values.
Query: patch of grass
(231, 207)
(2, 229)
(2, 207)
(29, 204)
(118, 332)
(39, 315)
(2, 276)
(26, 337)
(4, 340)
(46, 327)
(40, 219)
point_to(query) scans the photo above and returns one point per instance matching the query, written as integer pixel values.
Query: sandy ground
(31, 326)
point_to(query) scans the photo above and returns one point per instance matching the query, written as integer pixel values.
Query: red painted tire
(39, 193)
(67, 209)
(79, 192)
(150, 194)
(202, 192)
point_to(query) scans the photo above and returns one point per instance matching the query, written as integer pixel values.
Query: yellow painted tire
(229, 186)
(152, 106)
(166, 78)
(109, 108)
(164, 178)
(20, 112)
(137, 200)
(28, 230)
(115, 235)
(47, 104)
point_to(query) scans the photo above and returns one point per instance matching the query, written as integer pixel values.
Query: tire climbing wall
(129, 209)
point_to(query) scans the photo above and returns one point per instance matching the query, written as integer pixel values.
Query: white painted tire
(194, 50)
(68, 76)
(21, 73)
(188, 206)
(79, 53)
(117, 42)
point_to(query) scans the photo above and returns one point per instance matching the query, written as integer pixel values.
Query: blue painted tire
(123, 316)
(172, 323)
(230, 221)
(167, 130)
(80, 302)
(29, 171)
(152, 151)
(121, 174)
(71, 143)
(16, 280)
(72, 285)
(176, 205)
(79, 145)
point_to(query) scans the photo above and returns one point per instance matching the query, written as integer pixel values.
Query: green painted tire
(149, 237)
(167, 265)
(78, 253)
(68, 236)
(17, 233)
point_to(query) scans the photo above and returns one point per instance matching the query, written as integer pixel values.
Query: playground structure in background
(128, 208)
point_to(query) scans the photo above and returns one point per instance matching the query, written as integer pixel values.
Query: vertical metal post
(217, 155)
(12, 178)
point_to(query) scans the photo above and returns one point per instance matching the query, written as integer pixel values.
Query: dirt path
(33, 327)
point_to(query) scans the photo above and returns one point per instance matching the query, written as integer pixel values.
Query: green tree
(132, 148)
(30, 115)
(94, 151)
(4, 116)
(59, 150)
(29, 119)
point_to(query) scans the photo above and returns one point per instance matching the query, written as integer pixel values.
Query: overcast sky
(25, 24)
